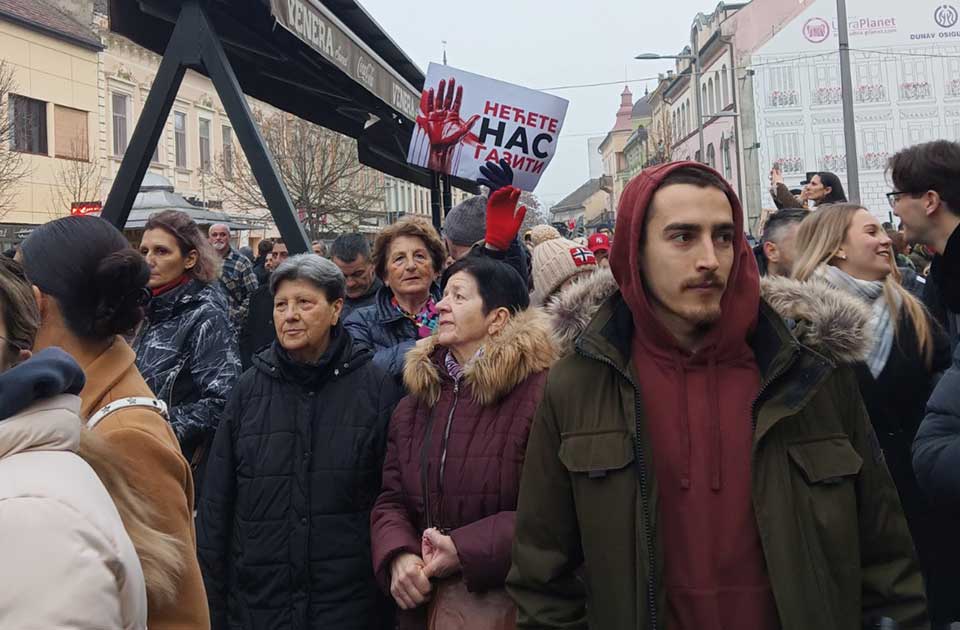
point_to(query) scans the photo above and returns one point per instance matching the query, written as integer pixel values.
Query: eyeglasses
(894, 197)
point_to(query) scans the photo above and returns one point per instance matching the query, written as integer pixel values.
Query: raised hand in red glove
(503, 218)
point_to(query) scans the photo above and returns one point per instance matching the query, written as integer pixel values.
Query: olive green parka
(836, 545)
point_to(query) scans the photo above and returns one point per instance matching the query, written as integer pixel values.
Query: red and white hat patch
(582, 256)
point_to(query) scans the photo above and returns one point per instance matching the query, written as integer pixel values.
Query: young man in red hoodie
(693, 465)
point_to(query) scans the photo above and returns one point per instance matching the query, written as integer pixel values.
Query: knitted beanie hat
(555, 260)
(466, 223)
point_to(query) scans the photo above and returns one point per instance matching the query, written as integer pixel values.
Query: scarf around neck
(882, 319)
(426, 320)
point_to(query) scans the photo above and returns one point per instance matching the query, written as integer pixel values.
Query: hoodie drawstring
(683, 408)
(713, 387)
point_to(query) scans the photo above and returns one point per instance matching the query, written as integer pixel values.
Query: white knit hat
(555, 260)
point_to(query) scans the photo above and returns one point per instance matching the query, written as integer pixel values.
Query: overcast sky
(547, 43)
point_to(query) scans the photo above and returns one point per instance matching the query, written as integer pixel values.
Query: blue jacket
(187, 354)
(936, 449)
(46, 374)
(383, 330)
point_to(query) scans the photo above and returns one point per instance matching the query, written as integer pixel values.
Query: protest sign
(466, 119)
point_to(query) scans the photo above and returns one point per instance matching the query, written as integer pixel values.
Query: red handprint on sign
(440, 120)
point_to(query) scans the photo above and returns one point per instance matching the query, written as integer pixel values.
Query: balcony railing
(790, 164)
(871, 94)
(915, 91)
(874, 160)
(826, 96)
(833, 163)
(784, 98)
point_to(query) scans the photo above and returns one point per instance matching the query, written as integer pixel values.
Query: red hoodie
(698, 420)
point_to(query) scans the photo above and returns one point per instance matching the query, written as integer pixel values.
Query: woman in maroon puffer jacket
(474, 387)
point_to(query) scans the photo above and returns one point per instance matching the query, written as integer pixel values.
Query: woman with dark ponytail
(91, 289)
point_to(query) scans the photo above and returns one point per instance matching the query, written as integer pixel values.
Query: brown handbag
(452, 606)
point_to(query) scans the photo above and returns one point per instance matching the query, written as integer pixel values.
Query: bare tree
(536, 213)
(13, 168)
(329, 187)
(76, 180)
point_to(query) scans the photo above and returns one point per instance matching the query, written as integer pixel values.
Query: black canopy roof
(326, 61)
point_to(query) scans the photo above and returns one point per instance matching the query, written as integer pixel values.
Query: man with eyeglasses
(926, 198)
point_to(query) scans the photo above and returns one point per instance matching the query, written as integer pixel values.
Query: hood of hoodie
(740, 302)
(524, 347)
(48, 373)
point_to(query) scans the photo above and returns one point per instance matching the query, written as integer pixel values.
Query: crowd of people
(657, 426)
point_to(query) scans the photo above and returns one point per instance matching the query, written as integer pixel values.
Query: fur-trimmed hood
(571, 310)
(524, 347)
(827, 320)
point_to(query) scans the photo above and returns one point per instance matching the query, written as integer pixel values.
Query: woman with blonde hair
(844, 246)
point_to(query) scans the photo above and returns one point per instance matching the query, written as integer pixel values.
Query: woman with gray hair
(284, 534)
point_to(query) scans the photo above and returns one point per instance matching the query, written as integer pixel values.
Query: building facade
(637, 149)
(50, 108)
(588, 204)
(717, 98)
(905, 66)
(78, 93)
(615, 171)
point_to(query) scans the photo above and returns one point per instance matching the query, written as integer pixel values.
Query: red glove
(503, 218)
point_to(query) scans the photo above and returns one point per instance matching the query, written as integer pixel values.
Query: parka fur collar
(826, 320)
(524, 347)
(571, 310)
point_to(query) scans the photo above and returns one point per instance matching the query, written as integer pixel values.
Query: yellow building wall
(62, 73)
(59, 73)
(595, 204)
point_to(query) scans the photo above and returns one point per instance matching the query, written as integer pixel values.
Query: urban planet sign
(945, 16)
(816, 30)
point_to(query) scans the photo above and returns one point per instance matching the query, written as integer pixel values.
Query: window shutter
(70, 133)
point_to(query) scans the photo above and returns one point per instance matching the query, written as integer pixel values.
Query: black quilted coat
(283, 525)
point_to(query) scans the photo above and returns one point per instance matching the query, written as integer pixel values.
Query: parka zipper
(754, 407)
(446, 432)
(644, 491)
(425, 459)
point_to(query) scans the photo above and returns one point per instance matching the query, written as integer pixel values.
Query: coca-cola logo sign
(816, 30)
(366, 72)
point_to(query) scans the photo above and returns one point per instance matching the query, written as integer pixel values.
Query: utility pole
(696, 96)
(846, 90)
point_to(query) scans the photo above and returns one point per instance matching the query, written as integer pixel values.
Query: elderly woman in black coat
(284, 537)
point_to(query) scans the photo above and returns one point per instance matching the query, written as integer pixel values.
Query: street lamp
(696, 88)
